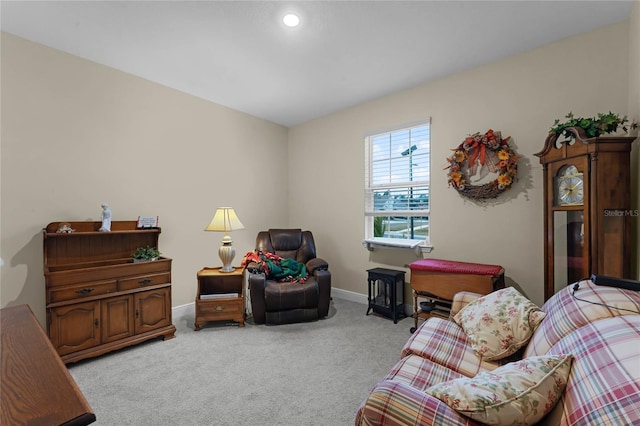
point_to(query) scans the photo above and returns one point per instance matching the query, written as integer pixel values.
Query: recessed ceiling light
(291, 20)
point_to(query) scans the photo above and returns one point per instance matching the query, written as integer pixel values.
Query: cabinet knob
(219, 308)
(84, 291)
(144, 281)
(96, 322)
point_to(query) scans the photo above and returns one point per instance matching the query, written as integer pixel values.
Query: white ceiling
(239, 54)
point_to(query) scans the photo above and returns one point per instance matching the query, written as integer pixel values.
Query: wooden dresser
(37, 389)
(98, 300)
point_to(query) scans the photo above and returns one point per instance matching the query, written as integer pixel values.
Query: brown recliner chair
(274, 302)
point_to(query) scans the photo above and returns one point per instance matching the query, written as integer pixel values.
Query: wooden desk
(37, 389)
(439, 280)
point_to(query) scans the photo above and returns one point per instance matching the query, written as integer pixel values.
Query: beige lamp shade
(225, 220)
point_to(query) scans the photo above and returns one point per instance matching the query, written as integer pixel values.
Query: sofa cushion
(420, 373)
(400, 397)
(519, 393)
(500, 323)
(567, 312)
(445, 343)
(604, 384)
(396, 403)
(462, 299)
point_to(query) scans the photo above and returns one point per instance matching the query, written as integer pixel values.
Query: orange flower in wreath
(504, 179)
(459, 156)
(455, 177)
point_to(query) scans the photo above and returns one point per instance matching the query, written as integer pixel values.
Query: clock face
(569, 187)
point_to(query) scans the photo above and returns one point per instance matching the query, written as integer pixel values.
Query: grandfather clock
(587, 208)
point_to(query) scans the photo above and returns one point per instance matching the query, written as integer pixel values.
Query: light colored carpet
(313, 373)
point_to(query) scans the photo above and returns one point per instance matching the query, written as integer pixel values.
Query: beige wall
(76, 134)
(520, 96)
(634, 114)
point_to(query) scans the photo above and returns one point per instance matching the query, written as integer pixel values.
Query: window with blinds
(397, 174)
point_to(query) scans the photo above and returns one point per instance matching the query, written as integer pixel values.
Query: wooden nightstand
(220, 296)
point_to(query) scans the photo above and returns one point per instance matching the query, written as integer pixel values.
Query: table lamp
(225, 220)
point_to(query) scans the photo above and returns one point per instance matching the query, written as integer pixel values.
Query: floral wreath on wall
(477, 151)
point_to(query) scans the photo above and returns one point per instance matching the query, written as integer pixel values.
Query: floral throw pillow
(500, 323)
(518, 393)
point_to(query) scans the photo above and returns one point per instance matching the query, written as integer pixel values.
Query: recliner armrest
(316, 264)
(254, 268)
(257, 281)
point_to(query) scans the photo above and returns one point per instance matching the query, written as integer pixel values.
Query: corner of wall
(634, 115)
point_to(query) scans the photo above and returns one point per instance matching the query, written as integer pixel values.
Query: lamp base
(227, 253)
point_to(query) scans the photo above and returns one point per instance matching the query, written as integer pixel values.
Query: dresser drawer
(141, 281)
(59, 294)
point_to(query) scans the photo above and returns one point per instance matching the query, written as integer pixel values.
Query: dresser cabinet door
(117, 318)
(152, 309)
(75, 327)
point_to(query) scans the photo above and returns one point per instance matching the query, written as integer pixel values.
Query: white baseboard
(351, 296)
(335, 292)
(362, 298)
(178, 311)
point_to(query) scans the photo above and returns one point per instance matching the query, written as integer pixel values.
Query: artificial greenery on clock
(478, 150)
(593, 126)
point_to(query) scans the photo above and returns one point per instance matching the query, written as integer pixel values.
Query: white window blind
(397, 172)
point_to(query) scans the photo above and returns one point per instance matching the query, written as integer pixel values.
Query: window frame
(422, 183)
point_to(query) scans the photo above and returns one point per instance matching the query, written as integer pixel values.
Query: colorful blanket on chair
(277, 268)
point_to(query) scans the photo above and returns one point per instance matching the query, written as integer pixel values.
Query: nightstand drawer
(216, 309)
(143, 281)
(81, 290)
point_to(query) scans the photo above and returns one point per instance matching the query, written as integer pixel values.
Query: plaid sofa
(599, 326)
